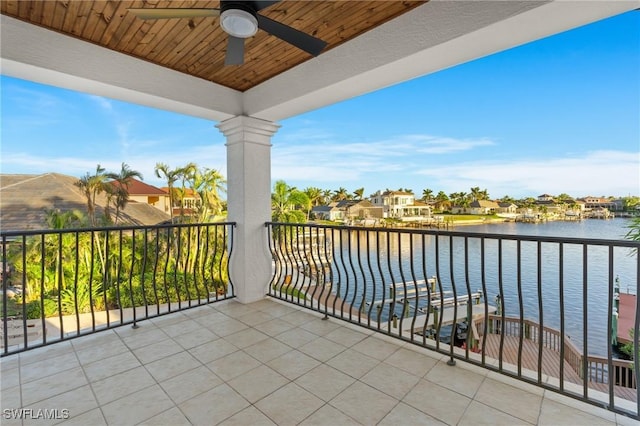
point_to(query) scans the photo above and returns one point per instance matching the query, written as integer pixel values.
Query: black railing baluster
(451, 360)
(143, 271)
(502, 301)
(611, 373)
(91, 268)
(541, 337)
(585, 326)
(60, 275)
(75, 283)
(521, 324)
(562, 319)
(156, 261)
(131, 271)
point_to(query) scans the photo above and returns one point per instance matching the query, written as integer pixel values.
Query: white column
(249, 203)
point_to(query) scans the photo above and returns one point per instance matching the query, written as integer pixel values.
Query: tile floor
(262, 364)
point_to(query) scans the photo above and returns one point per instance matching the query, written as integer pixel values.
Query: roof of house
(137, 187)
(484, 204)
(25, 200)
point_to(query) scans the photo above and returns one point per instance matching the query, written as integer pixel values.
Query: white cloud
(594, 173)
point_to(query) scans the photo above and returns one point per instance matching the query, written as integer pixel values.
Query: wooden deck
(550, 363)
(626, 317)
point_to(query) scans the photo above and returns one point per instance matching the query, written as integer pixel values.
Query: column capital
(243, 128)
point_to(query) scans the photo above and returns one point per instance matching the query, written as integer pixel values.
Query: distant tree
(171, 176)
(427, 195)
(64, 220)
(208, 184)
(284, 201)
(91, 186)
(507, 199)
(634, 231)
(326, 196)
(442, 201)
(120, 186)
(341, 194)
(358, 194)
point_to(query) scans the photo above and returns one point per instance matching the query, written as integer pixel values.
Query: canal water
(365, 263)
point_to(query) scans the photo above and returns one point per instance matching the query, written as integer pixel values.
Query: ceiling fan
(239, 19)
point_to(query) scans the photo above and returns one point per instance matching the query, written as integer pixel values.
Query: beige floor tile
(102, 338)
(257, 383)
(122, 384)
(226, 327)
(53, 365)
(156, 351)
(457, 379)
(92, 418)
(325, 382)
(52, 385)
(195, 338)
(375, 348)
(353, 363)
(364, 403)
(321, 328)
(10, 398)
(438, 402)
(254, 318)
(329, 416)
(233, 365)
(296, 337)
(172, 365)
(278, 407)
(554, 413)
(510, 400)
(300, 317)
(89, 354)
(66, 406)
(293, 364)
(480, 414)
(411, 361)
(236, 309)
(390, 380)
(9, 378)
(403, 414)
(213, 350)
(322, 349)
(249, 416)
(171, 417)
(182, 327)
(268, 349)
(110, 366)
(133, 409)
(9, 362)
(191, 383)
(245, 338)
(45, 353)
(141, 337)
(211, 318)
(345, 336)
(218, 403)
(274, 327)
(278, 308)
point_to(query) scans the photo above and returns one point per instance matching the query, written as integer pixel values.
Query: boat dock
(626, 316)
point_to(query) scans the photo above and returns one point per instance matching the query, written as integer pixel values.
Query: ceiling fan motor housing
(239, 18)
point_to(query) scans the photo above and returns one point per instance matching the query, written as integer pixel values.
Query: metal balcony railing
(540, 309)
(62, 284)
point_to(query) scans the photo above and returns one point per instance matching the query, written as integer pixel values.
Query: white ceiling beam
(432, 37)
(33, 53)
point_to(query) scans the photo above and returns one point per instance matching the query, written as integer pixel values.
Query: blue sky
(558, 115)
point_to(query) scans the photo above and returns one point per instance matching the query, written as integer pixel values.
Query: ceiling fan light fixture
(238, 23)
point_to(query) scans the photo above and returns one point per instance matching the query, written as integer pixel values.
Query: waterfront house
(400, 204)
(483, 207)
(327, 212)
(258, 361)
(507, 208)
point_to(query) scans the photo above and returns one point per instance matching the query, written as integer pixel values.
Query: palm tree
(442, 201)
(284, 200)
(315, 196)
(358, 193)
(427, 195)
(185, 174)
(121, 182)
(208, 183)
(91, 186)
(163, 170)
(341, 194)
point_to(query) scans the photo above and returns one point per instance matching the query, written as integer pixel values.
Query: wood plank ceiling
(197, 46)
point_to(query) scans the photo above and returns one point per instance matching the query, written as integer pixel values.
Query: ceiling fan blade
(235, 51)
(297, 38)
(167, 13)
(264, 4)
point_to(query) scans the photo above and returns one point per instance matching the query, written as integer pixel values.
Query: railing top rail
(437, 232)
(9, 234)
